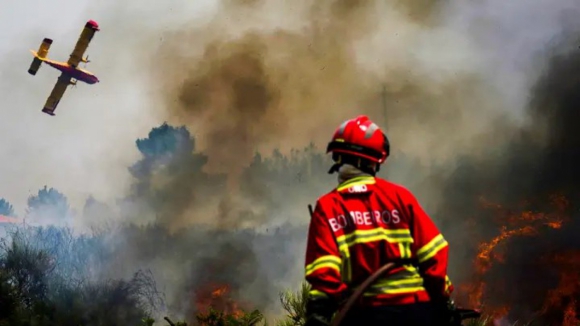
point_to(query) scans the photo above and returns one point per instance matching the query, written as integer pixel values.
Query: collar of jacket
(347, 172)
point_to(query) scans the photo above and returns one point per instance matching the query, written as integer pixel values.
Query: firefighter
(365, 223)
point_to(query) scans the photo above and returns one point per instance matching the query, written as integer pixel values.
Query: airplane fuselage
(76, 73)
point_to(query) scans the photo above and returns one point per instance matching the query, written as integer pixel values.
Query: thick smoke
(282, 84)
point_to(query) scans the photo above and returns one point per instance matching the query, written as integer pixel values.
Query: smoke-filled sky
(299, 68)
(90, 141)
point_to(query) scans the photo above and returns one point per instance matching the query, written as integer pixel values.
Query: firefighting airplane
(71, 73)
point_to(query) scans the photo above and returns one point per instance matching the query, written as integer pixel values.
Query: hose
(459, 314)
(358, 292)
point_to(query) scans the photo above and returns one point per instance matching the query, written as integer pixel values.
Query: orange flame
(525, 222)
(218, 297)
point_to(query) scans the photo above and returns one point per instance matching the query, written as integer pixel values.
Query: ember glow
(563, 298)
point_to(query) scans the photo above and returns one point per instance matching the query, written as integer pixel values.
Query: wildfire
(562, 298)
(484, 260)
(528, 223)
(217, 297)
(219, 292)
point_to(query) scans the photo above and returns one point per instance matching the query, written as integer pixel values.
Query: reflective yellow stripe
(364, 180)
(315, 294)
(346, 270)
(405, 250)
(429, 250)
(405, 281)
(366, 236)
(404, 286)
(401, 236)
(324, 262)
(447, 284)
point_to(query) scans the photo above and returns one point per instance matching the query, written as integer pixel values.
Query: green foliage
(49, 204)
(219, 318)
(165, 139)
(294, 303)
(6, 208)
(34, 292)
(169, 167)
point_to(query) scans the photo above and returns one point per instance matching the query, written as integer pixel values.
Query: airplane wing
(76, 56)
(56, 94)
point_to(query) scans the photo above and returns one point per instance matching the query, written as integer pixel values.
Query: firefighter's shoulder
(394, 188)
(325, 199)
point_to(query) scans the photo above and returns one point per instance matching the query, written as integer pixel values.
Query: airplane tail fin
(39, 55)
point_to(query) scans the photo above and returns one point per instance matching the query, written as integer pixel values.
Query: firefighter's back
(364, 224)
(371, 224)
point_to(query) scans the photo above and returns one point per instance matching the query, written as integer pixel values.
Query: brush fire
(544, 286)
(218, 297)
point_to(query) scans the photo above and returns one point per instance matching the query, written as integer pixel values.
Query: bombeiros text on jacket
(385, 217)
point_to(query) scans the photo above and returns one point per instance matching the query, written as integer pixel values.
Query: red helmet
(362, 138)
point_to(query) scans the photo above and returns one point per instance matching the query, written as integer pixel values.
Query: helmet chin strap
(337, 163)
(334, 168)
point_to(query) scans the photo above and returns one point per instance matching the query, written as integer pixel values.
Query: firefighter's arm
(322, 269)
(431, 250)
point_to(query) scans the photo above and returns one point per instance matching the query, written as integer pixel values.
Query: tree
(169, 176)
(48, 206)
(294, 303)
(36, 287)
(163, 145)
(6, 208)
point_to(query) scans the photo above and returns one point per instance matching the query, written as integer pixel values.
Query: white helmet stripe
(371, 130)
(342, 127)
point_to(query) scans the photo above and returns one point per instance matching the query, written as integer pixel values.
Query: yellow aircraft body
(70, 72)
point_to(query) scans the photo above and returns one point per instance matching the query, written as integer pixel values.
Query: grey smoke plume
(272, 74)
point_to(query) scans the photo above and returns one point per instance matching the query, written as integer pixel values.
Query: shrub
(34, 292)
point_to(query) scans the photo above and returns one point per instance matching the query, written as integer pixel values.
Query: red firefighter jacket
(365, 223)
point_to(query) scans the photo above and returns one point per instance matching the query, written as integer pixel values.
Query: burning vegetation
(216, 297)
(522, 221)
